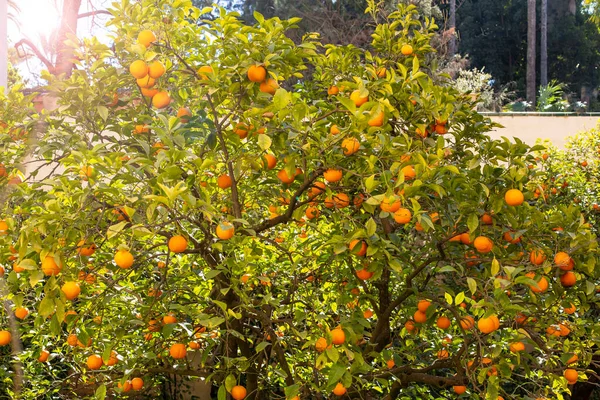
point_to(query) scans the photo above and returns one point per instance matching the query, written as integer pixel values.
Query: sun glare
(36, 21)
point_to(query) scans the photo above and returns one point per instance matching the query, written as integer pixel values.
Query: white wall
(531, 127)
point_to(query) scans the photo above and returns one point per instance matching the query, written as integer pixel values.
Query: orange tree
(209, 199)
(571, 174)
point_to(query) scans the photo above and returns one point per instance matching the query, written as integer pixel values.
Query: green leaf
(448, 298)
(291, 391)
(114, 230)
(261, 346)
(473, 222)
(335, 374)
(47, 306)
(332, 354)
(264, 141)
(371, 227)
(495, 267)
(100, 392)
(459, 298)
(222, 393)
(103, 111)
(35, 277)
(230, 382)
(472, 285)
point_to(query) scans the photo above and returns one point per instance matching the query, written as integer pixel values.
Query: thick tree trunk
(452, 28)
(531, 81)
(544, 44)
(68, 25)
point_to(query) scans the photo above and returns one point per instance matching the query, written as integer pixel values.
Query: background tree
(531, 51)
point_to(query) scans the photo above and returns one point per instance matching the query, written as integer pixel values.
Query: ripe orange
(573, 359)
(334, 130)
(169, 319)
(571, 375)
(357, 99)
(178, 350)
(511, 237)
(146, 82)
(562, 260)
(225, 230)
(420, 317)
(338, 336)
(161, 100)
(377, 119)
(138, 69)
(126, 387)
(5, 338)
(317, 188)
(21, 312)
(406, 49)
(341, 200)
(146, 38)
(467, 322)
(178, 244)
(364, 274)
(71, 290)
(459, 389)
(409, 172)
(403, 216)
(149, 92)
(94, 362)
(542, 284)
(270, 161)
(423, 305)
(443, 354)
(112, 360)
(514, 197)
(516, 347)
(537, 257)
(486, 219)
(156, 69)
(284, 177)
(368, 313)
(568, 279)
(333, 90)
(312, 212)
(50, 267)
(410, 326)
(321, 344)
(390, 204)
(570, 310)
(483, 244)
(203, 70)
(361, 251)
(443, 322)
(269, 86)
(489, 324)
(257, 73)
(390, 363)
(44, 356)
(238, 392)
(123, 259)
(137, 383)
(339, 389)
(224, 181)
(183, 113)
(332, 175)
(350, 146)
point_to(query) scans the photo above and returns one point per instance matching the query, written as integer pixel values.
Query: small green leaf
(495, 267)
(230, 382)
(264, 141)
(448, 298)
(473, 222)
(100, 393)
(261, 346)
(222, 393)
(459, 298)
(371, 227)
(114, 230)
(472, 285)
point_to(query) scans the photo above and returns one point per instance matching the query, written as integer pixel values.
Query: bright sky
(39, 18)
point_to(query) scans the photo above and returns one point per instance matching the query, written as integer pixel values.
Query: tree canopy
(284, 220)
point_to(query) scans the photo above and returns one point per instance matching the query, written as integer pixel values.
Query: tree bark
(531, 75)
(452, 28)
(68, 25)
(544, 44)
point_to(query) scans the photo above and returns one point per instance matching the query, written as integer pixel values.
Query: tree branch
(36, 52)
(93, 13)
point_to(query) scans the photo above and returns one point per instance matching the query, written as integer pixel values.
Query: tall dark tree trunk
(531, 75)
(544, 44)
(452, 28)
(68, 25)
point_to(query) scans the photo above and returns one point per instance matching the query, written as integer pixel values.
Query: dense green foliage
(383, 193)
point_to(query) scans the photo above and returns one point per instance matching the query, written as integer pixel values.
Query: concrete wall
(529, 128)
